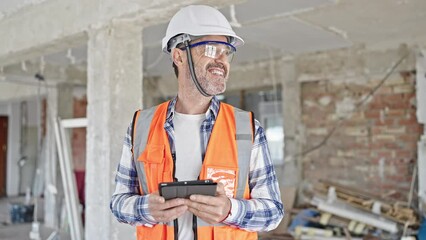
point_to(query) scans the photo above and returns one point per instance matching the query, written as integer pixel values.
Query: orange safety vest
(227, 160)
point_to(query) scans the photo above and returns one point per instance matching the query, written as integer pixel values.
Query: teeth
(217, 72)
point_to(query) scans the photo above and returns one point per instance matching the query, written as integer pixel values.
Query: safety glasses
(214, 49)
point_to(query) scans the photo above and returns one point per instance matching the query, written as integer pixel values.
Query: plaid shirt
(263, 212)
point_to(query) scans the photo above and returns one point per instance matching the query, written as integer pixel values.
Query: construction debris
(341, 212)
(385, 207)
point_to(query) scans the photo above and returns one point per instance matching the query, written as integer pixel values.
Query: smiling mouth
(217, 71)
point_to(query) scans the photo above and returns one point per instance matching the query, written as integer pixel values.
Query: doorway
(3, 154)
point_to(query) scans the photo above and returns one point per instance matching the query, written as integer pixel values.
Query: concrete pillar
(50, 165)
(292, 172)
(114, 93)
(13, 154)
(59, 103)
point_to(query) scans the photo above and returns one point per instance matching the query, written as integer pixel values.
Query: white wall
(421, 116)
(17, 182)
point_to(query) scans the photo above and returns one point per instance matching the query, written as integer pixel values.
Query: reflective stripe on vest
(140, 136)
(244, 145)
(147, 127)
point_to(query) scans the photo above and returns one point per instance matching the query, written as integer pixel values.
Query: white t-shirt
(188, 159)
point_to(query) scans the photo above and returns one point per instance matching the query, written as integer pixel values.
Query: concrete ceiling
(274, 28)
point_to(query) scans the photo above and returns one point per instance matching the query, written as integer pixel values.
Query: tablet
(184, 189)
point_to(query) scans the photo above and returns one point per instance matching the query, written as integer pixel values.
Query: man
(194, 136)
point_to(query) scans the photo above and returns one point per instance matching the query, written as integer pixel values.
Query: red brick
(388, 121)
(392, 145)
(415, 129)
(372, 113)
(398, 178)
(396, 97)
(409, 137)
(376, 104)
(405, 154)
(377, 145)
(395, 112)
(407, 121)
(385, 154)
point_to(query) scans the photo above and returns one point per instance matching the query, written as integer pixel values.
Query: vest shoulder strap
(140, 130)
(244, 137)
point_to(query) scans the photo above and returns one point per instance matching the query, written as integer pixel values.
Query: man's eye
(226, 52)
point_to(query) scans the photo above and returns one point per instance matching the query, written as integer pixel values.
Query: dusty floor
(21, 231)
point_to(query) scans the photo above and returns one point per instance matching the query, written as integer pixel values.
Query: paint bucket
(21, 213)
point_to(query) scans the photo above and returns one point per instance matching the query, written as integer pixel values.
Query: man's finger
(172, 203)
(220, 187)
(209, 200)
(178, 211)
(171, 214)
(153, 198)
(196, 207)
(206, 216)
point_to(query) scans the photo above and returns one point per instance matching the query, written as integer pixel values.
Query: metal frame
(68, 178)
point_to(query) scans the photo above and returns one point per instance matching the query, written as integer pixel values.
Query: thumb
(220, 189)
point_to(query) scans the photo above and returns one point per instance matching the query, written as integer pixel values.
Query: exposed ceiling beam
(33, 32)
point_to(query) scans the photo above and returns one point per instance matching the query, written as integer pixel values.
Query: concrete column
(292, 172)
(59, 103)
(50, 165)
(114, 93)
(13, 154)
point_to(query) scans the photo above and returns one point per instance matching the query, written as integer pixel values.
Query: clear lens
(218, 50)
(215, 49)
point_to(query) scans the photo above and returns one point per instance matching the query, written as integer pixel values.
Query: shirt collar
(213, 109)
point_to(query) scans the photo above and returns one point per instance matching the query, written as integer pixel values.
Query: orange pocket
(153, 159)
(227, 176)
(153, 153)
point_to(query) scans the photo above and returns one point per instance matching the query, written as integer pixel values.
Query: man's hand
(211, 209)
(165, 211)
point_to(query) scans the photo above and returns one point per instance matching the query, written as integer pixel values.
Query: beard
(212, 84)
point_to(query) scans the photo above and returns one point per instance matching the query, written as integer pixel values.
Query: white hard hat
(197, 21)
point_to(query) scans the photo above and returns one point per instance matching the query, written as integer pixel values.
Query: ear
(178, 56)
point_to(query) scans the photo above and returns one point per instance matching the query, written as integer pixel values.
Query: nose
(222, 57)
(223, 60)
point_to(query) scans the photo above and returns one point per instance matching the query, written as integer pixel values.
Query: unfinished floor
(21, 231)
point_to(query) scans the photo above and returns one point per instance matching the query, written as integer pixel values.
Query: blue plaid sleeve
(127, 205)
(264, 211)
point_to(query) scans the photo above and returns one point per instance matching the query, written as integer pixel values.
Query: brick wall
(79, 135)
(375, 148)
